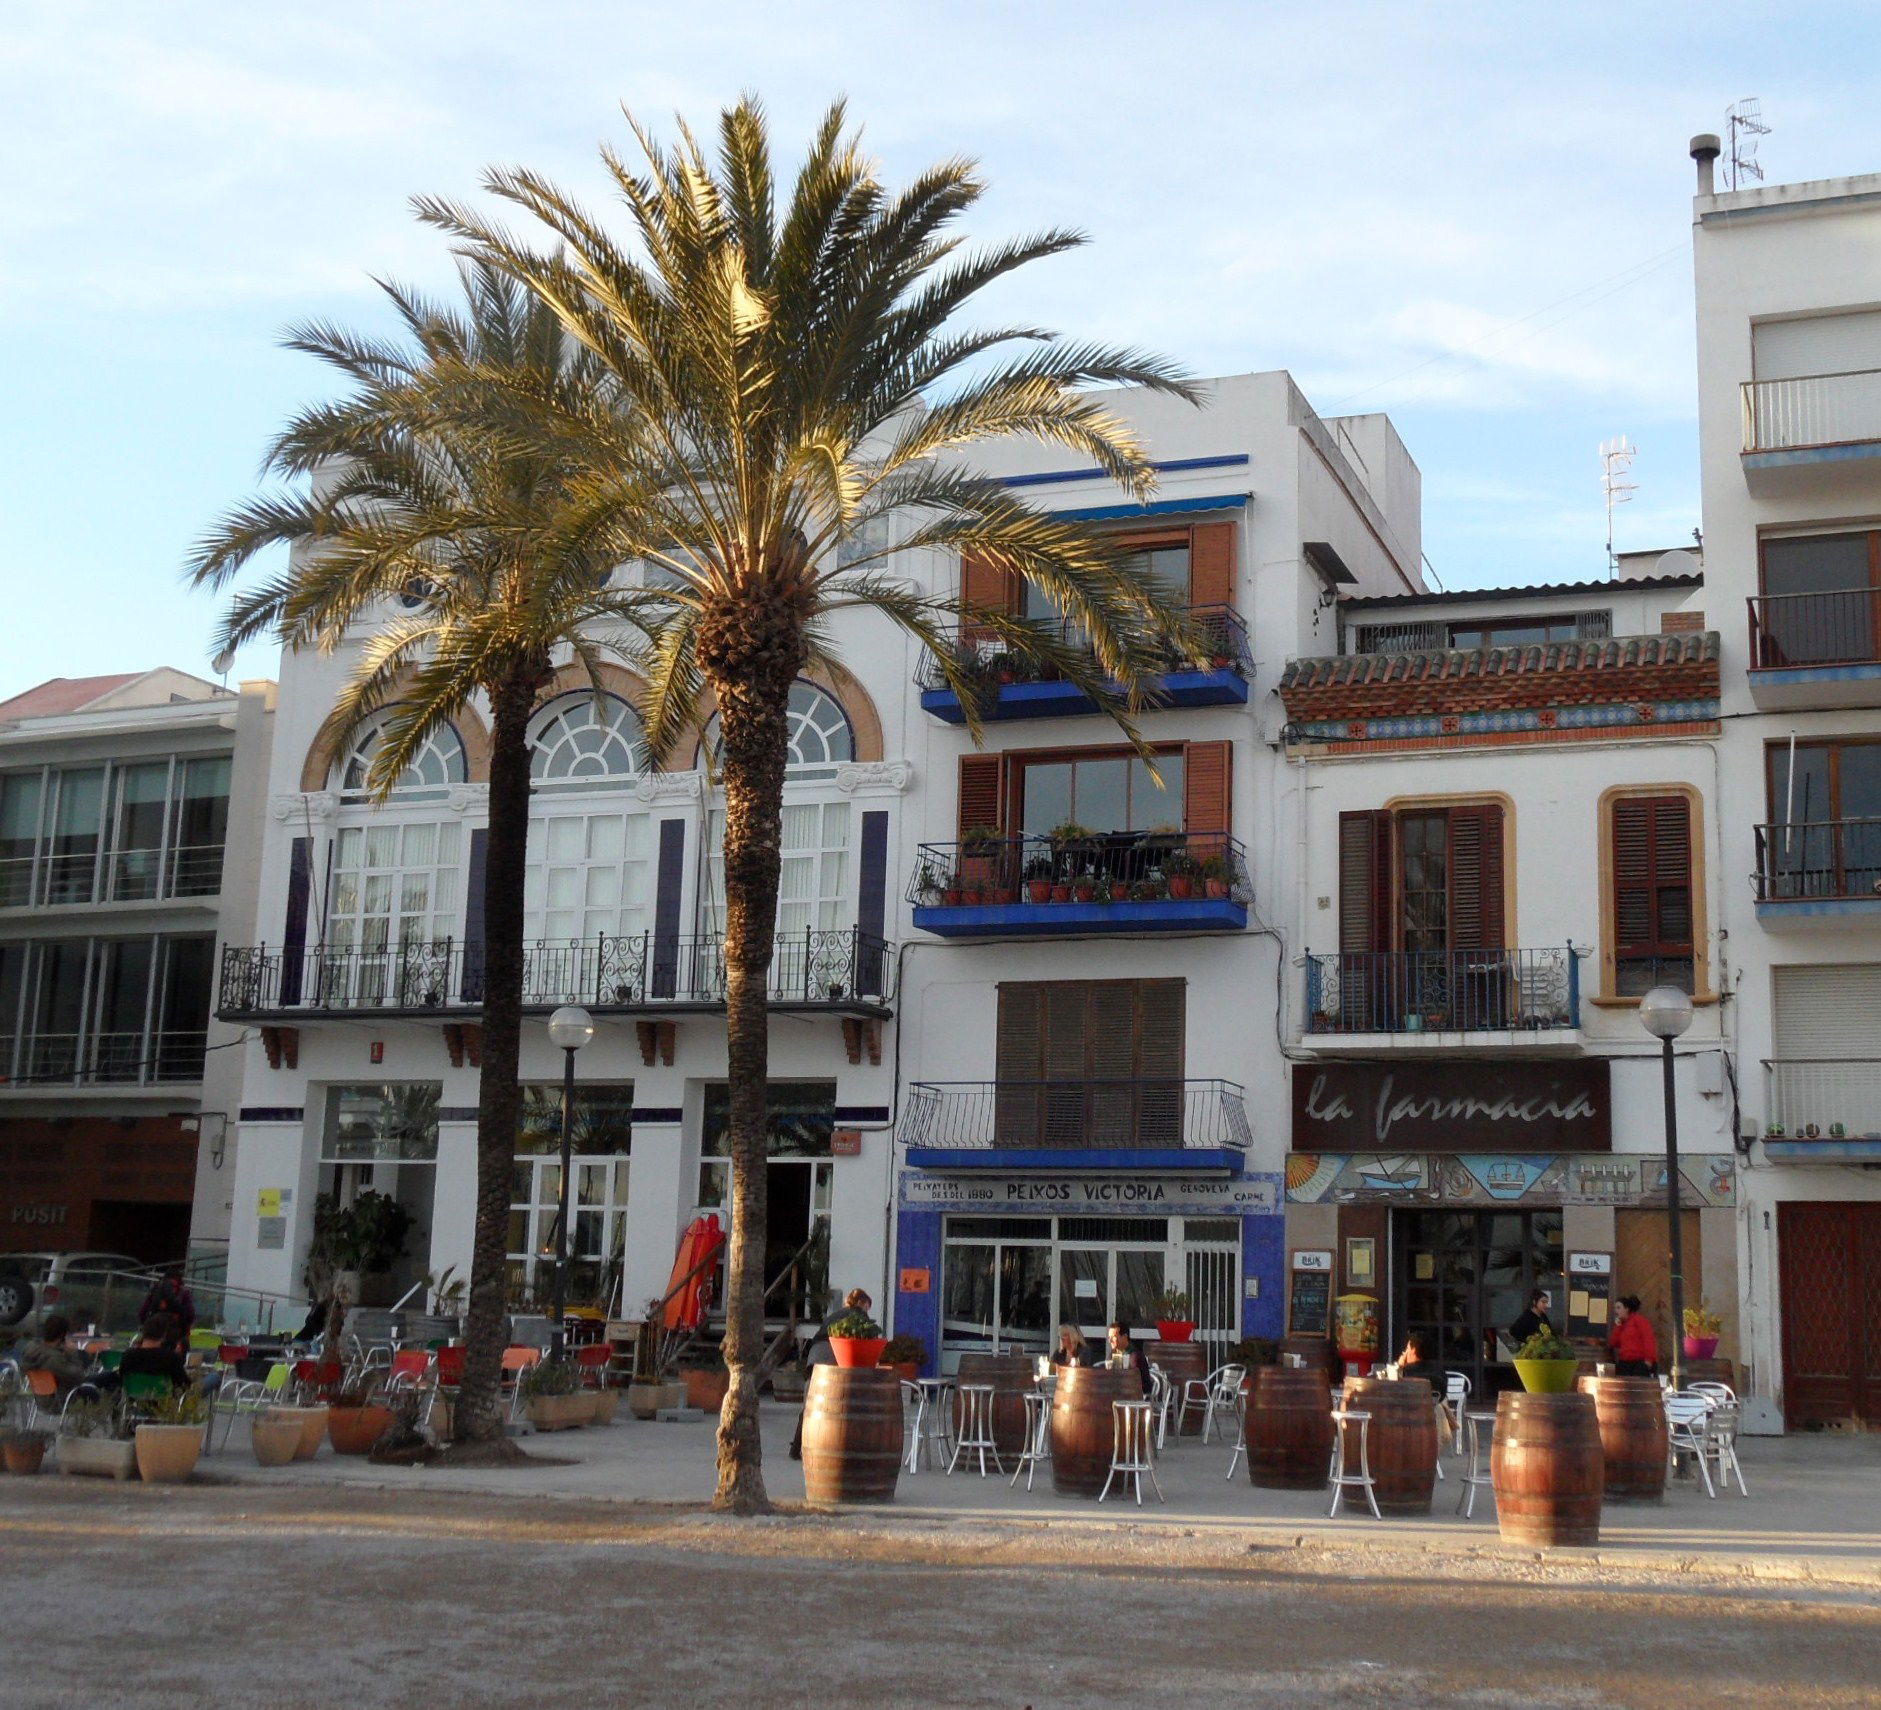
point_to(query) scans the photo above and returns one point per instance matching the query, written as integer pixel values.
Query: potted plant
(651, 1394)
(1217, 879)
(905, 1354)
(355, 1247)
(552, 1396)
(23, 1450)
(1173, 1323)
(706, 1379)
(789, 1381)
(356, 1419)
(95, 1439)
(1181, 869)
(1702, 1329)
(275, 1436)
(979, 850)
(1084, 887)
(1038, 879)
(170, 1439)
(1149, 890)
(1546, 1364)
(856, 1340)
(930, 886)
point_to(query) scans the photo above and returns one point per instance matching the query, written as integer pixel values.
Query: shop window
(392, 1122)
(1651, 914)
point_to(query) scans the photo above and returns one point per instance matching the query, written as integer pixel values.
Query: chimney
(1705, 150)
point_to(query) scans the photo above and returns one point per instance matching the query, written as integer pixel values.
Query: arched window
(438, 764)
(819, 734)
(578, 745)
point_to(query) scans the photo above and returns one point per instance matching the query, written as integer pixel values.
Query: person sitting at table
(1121, 1343)
(49, 1353)
(1416, 1354)
(1072, 1349)
(822, 1354)
(1634, 1347)
(154, 1354)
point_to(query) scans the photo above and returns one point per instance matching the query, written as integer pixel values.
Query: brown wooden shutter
(986, 585)
(1017, 1057)
(1476, 878)
(1652, 876)
(1211, 564)
(1207, 770)
(1364, 881)
(982, 791)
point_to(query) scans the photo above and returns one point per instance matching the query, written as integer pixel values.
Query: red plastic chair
(230, 1352)
(450, 1367)
(594, 1361)
(409, 1367)
(318, 1379)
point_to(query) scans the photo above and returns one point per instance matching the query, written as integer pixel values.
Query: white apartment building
(128, 808)
(1789, 397)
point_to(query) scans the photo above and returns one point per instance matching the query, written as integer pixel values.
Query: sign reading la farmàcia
(1453, 1106)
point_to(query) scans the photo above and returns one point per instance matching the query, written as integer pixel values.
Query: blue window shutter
(872, 903)
(294, 934)
(473, 917)
(670, 879)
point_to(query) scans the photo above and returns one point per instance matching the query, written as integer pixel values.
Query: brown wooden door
(1642, 1265)
(1829, 1271)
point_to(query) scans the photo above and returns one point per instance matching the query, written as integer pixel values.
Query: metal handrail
(1148, 1112)
(1838, 626)
(992, 664)
(1807, 412)
(1146, 865)
(1817, 860)
(1442, 991)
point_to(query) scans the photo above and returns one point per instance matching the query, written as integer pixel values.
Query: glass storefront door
(1463, 1277)
(997, 1288)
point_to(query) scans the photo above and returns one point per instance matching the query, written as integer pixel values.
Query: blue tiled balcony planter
(1124, 881)
(1007, 687)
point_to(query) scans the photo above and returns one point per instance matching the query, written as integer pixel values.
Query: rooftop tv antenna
(1743, 125)
(1616, 466)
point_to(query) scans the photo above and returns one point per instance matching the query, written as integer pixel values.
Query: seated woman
(1072, 1349)
(1634, 1347)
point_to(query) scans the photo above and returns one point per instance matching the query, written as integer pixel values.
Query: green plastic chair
(147, 1386)
(111, 1360)
(207, 1341)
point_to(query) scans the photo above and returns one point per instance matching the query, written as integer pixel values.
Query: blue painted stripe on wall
(273, 1113)
(872, 875)
(659, 1113)
(672, 869)
(473, 917)
(1263, 1255)
(457, 1113)
(862, 1113)
(1160, 508)
(918, 1247)
(294, 941)
(1055, 477)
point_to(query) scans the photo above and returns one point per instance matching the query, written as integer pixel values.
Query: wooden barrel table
(1318, 1353)
(851, 1434)
(1081, 1425)
(1403, 1441)
(1289, 1428)
(1632, 1436)
(1010, 1378)
(1547, 1468)
(1182, 1361)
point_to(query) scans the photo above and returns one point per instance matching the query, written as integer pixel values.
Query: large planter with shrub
(24, 1450)
(274, 1438)
(706, 1387)
(553, 1396)
(557, 1412)
(353, 1427)
(1546, 1364)
(98, 1457)
(167, 1454)
(856, 1341)
(606, 1405)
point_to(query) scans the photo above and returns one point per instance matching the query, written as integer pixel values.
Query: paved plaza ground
(605, 1581)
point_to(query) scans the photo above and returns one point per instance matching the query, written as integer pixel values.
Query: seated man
(154, 1353)
(49, 1353)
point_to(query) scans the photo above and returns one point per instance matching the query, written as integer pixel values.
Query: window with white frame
(581, 744)
(819, 735)
(395, 889)
(588, 874)
(601, 1144)
(437, 765)
(813, 887)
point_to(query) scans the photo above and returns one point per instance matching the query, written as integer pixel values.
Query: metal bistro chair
(1163, 1399)
(976, 1427)
(1130, 1453)
(1038, 1436)
(1455, 1401)
(1476, 1475)
(1338, 1475)
(1688, 1432)
(1224, 1398)
(929, 1428)
(1721, 1437)
(516, 1361)
(238, 1397)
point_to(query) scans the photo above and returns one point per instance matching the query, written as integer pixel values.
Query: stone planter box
(644, 1400)
(559, 1412)
(606, 1405)
(98, 1457)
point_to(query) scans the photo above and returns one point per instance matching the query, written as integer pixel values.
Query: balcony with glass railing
(1146, 1124)
(1826, 1109)
(103, 1059)
(1005, 686)
(1812, 419)
(1443, 1000)
(1818, 869)
(843, 971)
(1117, 881)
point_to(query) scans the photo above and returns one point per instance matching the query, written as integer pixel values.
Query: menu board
(1309, 1304)
(1589, 1296)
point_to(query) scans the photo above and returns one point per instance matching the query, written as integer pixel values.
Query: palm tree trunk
(499, 1100)
(753, 701)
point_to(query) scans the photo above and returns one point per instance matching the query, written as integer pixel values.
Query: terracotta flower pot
(1061, 893)
(705, 1390)
(1217, 889)
(1119, 893)
(1181, 887)
(275, 1438)
(23, 1454)
(1038, 890)
(353, 1430)
(167, 1454)
(313, 1432)
(857, 1350)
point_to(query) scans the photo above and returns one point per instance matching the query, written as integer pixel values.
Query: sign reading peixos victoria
(1454, 1106)
(1103, 1195)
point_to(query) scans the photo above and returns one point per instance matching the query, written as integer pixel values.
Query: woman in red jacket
(1634, 1348)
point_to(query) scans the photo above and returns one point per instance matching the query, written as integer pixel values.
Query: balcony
(1008, 687)
(1362, 1002)
(1118, 881)
(1054, 1125)
(1820, 870)
(1816, 650)
(178, 873)
(1809, 421)
(104, 1059)
(847, 972)
(1822, 1110)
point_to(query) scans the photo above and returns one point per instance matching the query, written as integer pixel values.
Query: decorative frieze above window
(874, 777)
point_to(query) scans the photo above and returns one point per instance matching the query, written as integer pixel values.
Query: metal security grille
(1212, 1279)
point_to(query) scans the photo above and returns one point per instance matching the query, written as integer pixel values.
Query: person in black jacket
(154, 1353)
(1533, 1319)
(1121, 1342)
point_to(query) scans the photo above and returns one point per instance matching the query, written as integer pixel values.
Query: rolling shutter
(1207, 769)
(1832, 1012)
(1211, 564)
(1364, 881)
(982, 791)
(1016, 1061)
(1476, 878)
(1110, 1055)
(1652, 877)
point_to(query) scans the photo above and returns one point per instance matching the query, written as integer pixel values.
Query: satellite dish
(1677, 563)
(223, 662)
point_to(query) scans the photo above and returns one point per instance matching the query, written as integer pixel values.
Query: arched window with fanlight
(438, 764)
(820, 736)
(590, 859)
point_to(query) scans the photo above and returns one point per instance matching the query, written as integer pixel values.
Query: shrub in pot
(170, 1437)
(275, 1437)
(24, 1450)
(1173, 1323)
(905, 1354)
(552, 1396)
(856, 1340)
(356, 1420)
(1547, 1364)
(95, 1440)
(1703, 1327)
(706, 1380)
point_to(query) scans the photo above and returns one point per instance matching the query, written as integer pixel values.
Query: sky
(1474, 217)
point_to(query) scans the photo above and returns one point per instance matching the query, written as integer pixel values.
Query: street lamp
(570, 1028)
(1666, 1012)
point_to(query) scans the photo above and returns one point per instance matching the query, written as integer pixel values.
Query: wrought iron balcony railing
(1827, 860)
(1442, 991)
(987, 662)
(1836, 628)
(1106, 866)
(815, 967)
(1812, 411)
(1821, 1098)
(102, 1059)
(1076, 1115)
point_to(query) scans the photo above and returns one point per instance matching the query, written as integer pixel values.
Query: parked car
(104, 1289)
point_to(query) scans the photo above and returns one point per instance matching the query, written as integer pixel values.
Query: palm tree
(797, 379)
(399, 489)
